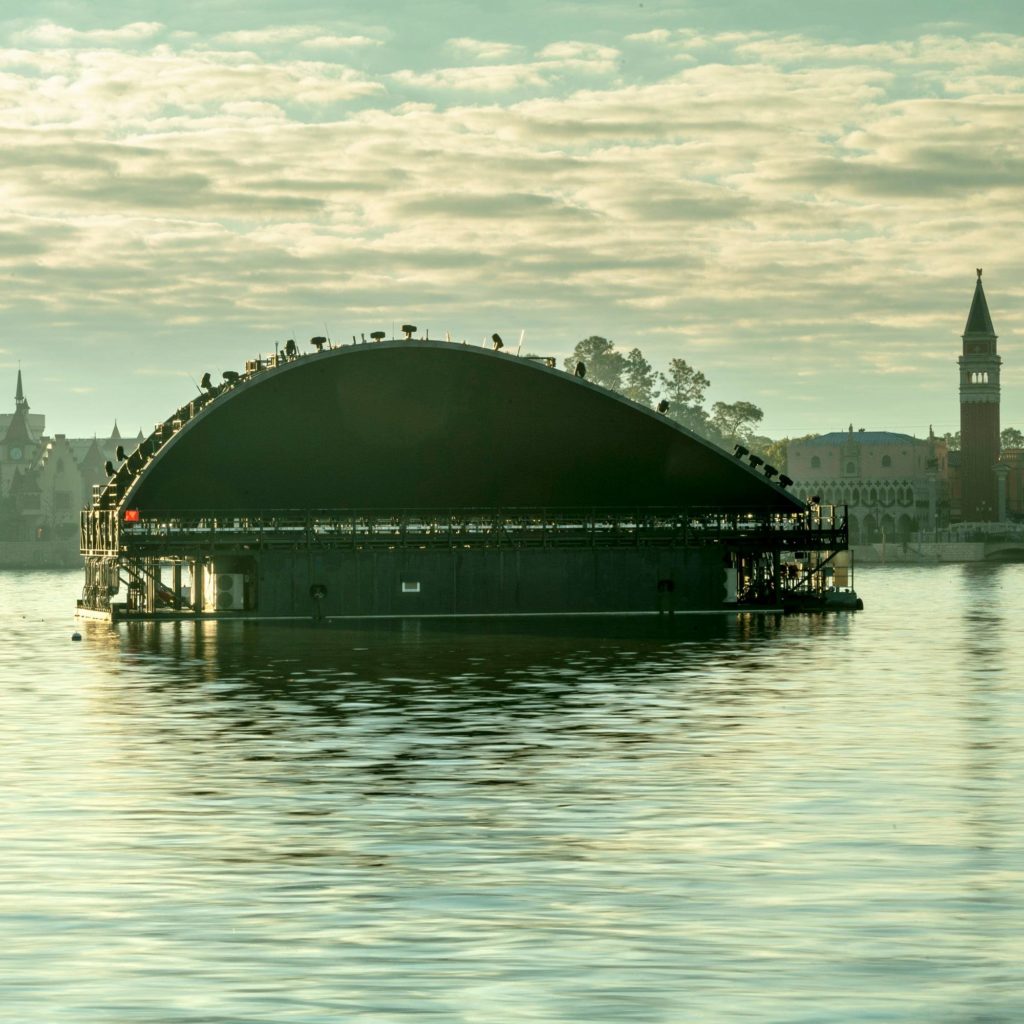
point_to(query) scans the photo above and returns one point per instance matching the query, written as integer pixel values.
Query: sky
(792, 198)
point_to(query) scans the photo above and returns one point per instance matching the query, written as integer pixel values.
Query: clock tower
(979, 414)
(18, 446)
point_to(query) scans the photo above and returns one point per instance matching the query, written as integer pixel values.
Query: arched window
(854, 530)
(887, 461)
(869, 529)
(873, 497)
(851, 468)
(815, 462)
(856, 496)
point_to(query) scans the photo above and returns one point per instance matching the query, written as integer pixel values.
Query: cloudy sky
(790, 197)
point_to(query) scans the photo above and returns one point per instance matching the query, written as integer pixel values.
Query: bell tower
(979, 414)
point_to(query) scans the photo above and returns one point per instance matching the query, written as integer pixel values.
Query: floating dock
(415, 478)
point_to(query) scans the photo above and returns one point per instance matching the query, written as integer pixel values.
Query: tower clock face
(15, 455)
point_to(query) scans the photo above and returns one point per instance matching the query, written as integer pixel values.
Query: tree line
(1009, 437)
(684, 388)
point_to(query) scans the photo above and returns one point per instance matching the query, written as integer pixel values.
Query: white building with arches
(894, 485)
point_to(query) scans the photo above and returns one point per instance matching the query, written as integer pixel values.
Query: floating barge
(411, 478)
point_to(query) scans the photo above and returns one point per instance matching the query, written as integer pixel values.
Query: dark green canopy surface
(415, 424)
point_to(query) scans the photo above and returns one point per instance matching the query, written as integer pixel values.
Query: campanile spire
(979, 412)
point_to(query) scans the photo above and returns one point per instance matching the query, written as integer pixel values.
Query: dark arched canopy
(435, 425)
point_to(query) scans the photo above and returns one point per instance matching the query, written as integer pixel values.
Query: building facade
(896, 485)
(892, 484)
(46, 481)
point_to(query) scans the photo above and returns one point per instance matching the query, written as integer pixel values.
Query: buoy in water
(76, 636)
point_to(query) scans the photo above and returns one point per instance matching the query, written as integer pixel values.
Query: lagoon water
(717, 818)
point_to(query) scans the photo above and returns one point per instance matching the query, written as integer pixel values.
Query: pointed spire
(978, 320)
(115, 434)
(19, 395)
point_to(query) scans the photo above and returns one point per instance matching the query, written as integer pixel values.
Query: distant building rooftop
(861, 437)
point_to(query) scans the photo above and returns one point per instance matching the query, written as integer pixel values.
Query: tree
(683, 384)
(604, 365)
(1011, 437)
(683, 387)
(640, 378)
(776, 453)
(952, 441)
(735, 420)
(773, 452)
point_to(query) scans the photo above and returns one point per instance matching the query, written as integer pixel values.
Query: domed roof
(420, 424)
(838, 437)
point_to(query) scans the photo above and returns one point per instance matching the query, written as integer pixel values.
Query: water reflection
(389, 700)
(802, 818)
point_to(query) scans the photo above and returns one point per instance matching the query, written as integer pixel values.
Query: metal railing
(105, 531)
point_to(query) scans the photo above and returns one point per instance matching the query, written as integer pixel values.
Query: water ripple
(706, 819)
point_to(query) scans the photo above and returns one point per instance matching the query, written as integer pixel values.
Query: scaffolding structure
(790, 560)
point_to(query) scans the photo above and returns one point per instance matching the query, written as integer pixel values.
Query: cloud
(311, 37)
(330, 42)
(655, 35)
(575, 51)
(51, 35)
(108, 91)
(18, 246)
(554, 62)
(498, 207)
(927, 174)
(783, 201)
(487, 78)
(478, 49)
